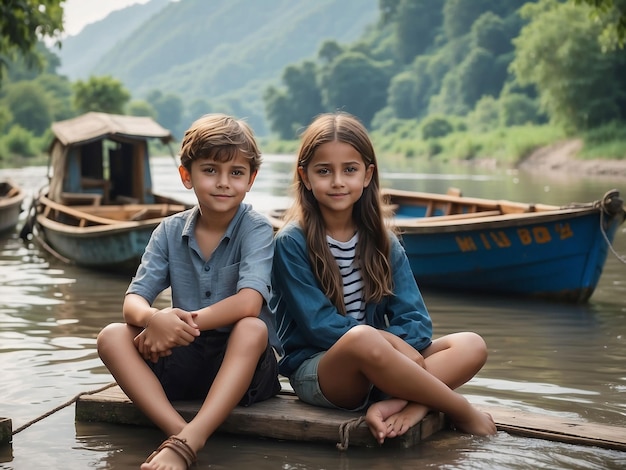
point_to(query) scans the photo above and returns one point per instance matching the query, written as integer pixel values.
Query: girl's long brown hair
(368, 215)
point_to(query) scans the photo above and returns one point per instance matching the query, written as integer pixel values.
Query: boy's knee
(253, 328)
(108, 334)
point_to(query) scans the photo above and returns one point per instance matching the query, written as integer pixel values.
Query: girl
(350, 316)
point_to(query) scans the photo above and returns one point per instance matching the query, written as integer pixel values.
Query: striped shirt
(345, 254)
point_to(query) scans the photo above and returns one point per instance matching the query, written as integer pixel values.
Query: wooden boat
(11, 198)
(98, 209)
(494, 246)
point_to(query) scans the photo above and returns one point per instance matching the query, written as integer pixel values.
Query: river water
(556, 359)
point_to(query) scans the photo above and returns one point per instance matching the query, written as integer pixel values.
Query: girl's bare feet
(400, 422)
(393, 417)
(477, 422)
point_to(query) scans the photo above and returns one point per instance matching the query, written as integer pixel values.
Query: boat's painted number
(498, 239)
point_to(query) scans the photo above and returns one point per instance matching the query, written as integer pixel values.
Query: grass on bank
(507, 146)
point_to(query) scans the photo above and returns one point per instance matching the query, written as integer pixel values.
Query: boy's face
(219, 187)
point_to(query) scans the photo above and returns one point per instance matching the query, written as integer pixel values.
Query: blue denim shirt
(309, 323)
(242, 259)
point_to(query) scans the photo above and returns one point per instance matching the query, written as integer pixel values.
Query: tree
(477, 75)
(401, 88)
(356, 84)
(169, 110)
(489, 32)
(329, 50)
(612, 13)
(301, 100)
(558, 52)
(517, 109)
(59, 91)
(416, 24)
(103, 94)
(459, 16)
(23, 23)
(278, 111)
(303, 92)
(485, 115)
(29, 105)
(141, 108)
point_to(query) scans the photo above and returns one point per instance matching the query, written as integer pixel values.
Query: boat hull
(10, 207)
(110, 248)
(557, 256)
(111, 238)
(490, 246)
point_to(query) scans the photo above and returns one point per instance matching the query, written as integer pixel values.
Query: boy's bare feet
(173, 454)
(393, 417)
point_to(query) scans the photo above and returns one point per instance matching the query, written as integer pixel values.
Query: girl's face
(337, 176)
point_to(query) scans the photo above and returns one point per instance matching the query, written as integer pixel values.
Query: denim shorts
(190, 370)
(305, 383)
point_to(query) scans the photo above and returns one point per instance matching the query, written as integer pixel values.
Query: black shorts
(190, 371)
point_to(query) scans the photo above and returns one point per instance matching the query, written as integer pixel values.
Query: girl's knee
(366, 342)
(475, 346)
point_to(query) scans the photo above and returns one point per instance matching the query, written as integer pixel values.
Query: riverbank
(562, 158)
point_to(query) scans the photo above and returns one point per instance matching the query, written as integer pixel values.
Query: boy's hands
(167, 329)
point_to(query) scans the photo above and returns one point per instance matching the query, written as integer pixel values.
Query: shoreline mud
(561, 158)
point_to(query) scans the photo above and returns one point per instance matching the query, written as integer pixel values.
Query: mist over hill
(221, 51)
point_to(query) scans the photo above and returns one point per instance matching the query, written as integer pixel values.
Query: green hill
(222, 51)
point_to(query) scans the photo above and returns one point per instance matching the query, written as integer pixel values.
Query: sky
(79, 13)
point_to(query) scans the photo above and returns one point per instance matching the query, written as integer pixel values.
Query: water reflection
(560, 360)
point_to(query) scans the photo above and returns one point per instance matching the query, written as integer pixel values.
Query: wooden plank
(77, 214)
(558, 429)
(433, 220)
(286, 417)
(283, 417)
(6, 431)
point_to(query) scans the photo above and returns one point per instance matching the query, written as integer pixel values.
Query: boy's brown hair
(219, 137)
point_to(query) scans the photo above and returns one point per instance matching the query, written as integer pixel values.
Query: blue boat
(502, 247)
(99, 209)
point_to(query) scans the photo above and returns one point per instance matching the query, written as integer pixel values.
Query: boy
(215, 342)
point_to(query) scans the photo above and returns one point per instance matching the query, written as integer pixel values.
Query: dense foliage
(490, 62)
(22, 24)
(430, 76)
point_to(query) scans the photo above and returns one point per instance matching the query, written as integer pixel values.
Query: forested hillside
(81, 53)
(213, 54)
(437, 78)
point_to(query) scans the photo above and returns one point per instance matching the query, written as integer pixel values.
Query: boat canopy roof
(93, 126)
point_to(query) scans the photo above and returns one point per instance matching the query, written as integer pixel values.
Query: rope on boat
(610, 205)
(64, 405)
(608, 242)
(344, 431)
(51, 250)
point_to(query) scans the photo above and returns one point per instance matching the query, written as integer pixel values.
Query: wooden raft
(6, 430)
(283, 417)
(286, 418)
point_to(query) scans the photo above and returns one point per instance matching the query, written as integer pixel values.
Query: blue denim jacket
(309, 323)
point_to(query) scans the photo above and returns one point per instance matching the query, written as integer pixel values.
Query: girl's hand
(165, 330)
